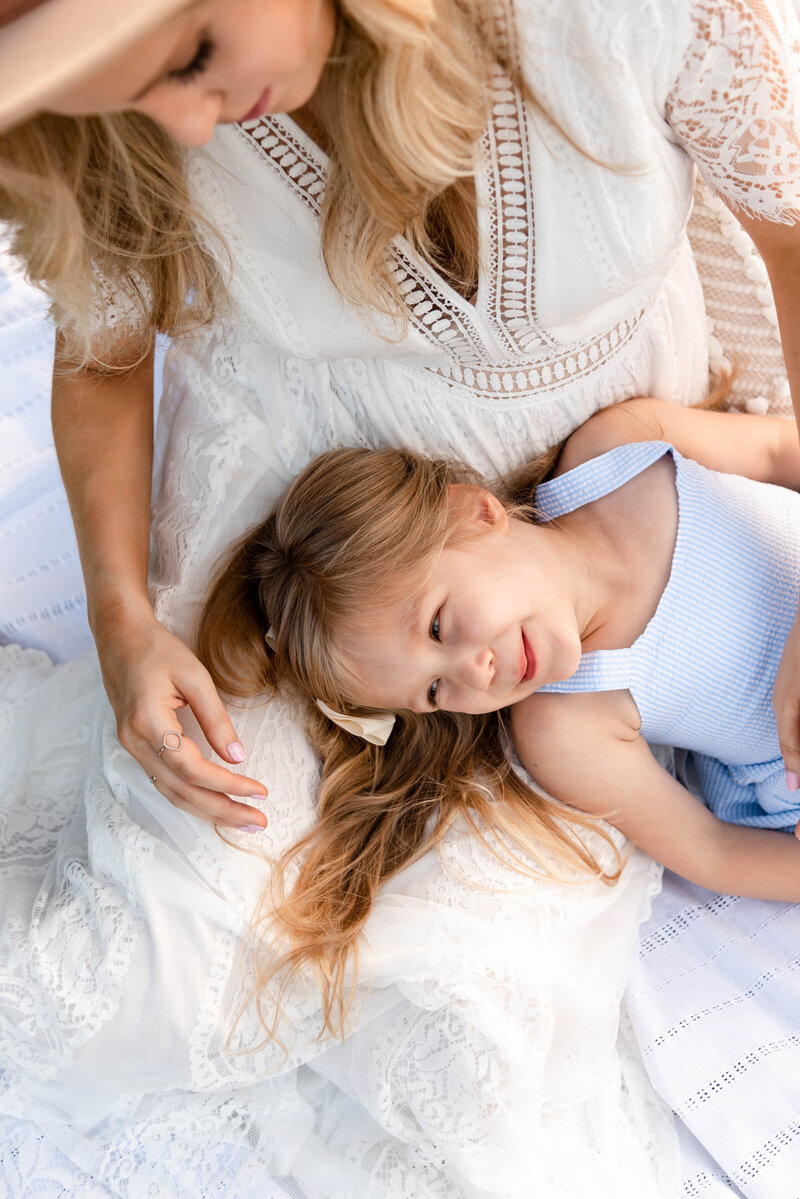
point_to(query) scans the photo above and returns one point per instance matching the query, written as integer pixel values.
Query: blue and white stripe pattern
(702, 672)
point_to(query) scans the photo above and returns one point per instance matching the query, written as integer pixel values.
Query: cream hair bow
(375, 729)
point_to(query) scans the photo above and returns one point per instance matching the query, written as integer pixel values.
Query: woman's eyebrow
(165, 68)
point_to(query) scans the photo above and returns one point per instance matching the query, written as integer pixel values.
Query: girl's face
(222, 61)
(495, 619)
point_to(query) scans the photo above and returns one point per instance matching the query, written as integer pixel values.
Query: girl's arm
(765, 448)
(103, 429)
(586, 750)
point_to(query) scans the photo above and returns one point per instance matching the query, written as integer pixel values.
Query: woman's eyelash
(198, 64)
(434, 687)
(435, 628)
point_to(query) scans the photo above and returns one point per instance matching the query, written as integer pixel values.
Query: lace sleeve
(735, 104)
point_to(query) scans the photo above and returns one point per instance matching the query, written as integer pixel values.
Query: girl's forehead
(396, 605)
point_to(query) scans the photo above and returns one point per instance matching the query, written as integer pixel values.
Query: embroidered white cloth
(485, 1053)
(473, 1079)
(713, 998)
(589, 292)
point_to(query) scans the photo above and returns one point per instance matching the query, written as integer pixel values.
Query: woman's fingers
(202, 697)
(189, 780)
(149, 675)
(212, 806)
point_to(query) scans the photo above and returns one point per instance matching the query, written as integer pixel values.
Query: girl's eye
(435, 628)
(198, 64)
(434, 687)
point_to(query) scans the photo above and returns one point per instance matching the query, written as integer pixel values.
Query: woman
(502, 351)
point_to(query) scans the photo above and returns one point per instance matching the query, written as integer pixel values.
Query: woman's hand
(786, 702)
(149, 674)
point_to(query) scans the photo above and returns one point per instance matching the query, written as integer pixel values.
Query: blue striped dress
(702, 672)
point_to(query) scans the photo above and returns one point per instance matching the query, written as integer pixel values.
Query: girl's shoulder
(619, 424)
(565, 738)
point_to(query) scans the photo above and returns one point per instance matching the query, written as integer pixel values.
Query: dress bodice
(588, 293)
(702, 671)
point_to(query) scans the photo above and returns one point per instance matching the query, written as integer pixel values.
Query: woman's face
(222, 61)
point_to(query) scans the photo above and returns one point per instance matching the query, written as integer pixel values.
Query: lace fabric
(736, 102)
(591, 294)
(145, 912)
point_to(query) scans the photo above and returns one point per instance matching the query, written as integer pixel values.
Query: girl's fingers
(787, 718)
(786, 702)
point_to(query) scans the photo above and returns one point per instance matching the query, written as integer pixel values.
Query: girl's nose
(478, 669)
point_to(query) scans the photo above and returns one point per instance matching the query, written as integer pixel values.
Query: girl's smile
(496, 618)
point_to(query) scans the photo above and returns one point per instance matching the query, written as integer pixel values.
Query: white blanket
(710, 1001)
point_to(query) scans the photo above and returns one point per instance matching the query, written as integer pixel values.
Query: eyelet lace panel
(735, 105)
(512, 354)
(440, 318)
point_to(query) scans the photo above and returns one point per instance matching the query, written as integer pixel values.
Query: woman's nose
(191, 121)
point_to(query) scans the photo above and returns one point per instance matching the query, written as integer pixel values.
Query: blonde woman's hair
(101, 217)
(350, 539)
(99, 205)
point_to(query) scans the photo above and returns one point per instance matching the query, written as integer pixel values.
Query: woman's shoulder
(647, 39)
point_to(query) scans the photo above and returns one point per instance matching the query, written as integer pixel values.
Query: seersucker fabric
(703, 670)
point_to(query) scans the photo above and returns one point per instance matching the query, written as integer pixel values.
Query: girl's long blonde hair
(351, 538)
(102, 204)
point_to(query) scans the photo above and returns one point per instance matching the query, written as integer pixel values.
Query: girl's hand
(149, 674)
(786, 702)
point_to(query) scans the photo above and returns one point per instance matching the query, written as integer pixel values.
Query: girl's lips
(259, 108)
(530, 661)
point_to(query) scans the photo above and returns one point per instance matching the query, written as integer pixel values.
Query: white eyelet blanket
(484, 1062)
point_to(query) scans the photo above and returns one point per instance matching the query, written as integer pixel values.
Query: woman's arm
(779, 246)
(586, 750)
(103, 429)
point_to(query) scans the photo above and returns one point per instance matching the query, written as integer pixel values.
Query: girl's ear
(479, 506)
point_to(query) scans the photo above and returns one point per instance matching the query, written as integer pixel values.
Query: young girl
(637, 596)
(468, 234)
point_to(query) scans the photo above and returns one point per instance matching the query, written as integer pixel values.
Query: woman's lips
(530, 661)
(259, 108)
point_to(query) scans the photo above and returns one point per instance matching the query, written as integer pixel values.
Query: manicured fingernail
(250, 828)
(236, 751)
(257, 798)
(792, 780)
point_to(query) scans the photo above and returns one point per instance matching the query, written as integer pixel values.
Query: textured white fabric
(714, 1001)
(42, 600)
(494, 1059)
(486, 1051)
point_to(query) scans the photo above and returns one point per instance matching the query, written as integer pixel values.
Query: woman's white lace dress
(487, 1057)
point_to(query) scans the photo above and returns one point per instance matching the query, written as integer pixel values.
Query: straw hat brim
(61, 41)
